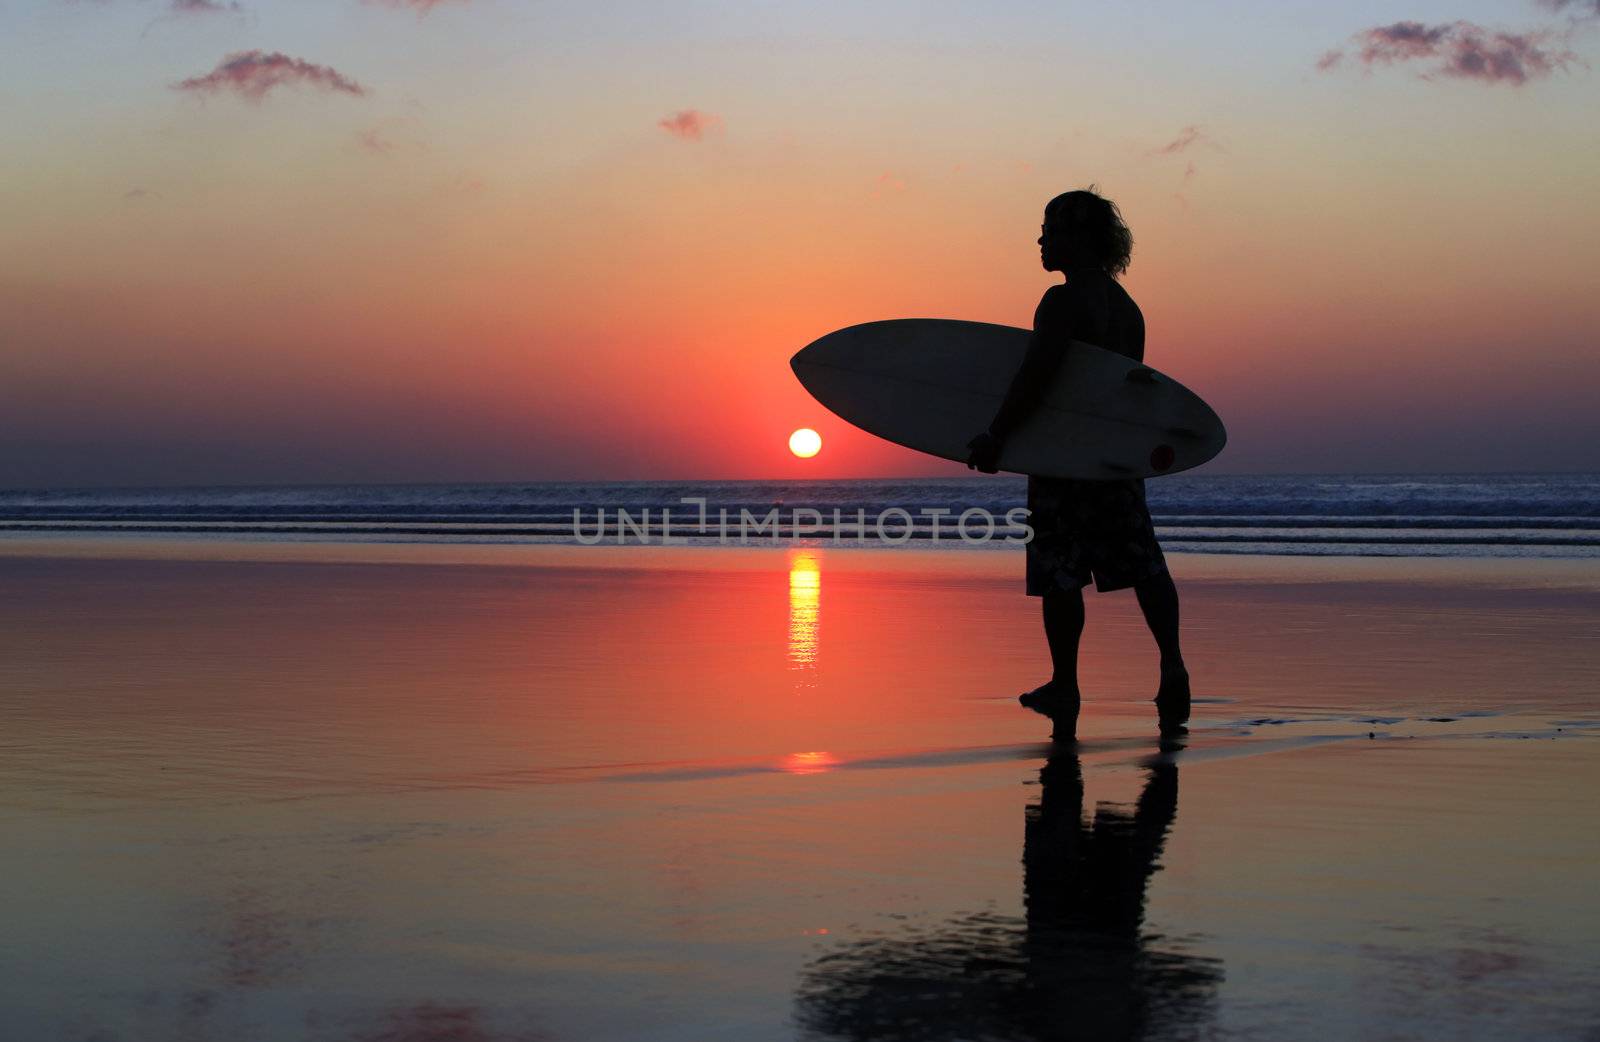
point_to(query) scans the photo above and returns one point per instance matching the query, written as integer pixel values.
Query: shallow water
(1522, 516)
(710, 794)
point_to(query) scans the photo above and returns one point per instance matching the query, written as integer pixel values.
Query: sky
(465, 240)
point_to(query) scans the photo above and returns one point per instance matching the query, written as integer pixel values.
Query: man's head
(1084, 230)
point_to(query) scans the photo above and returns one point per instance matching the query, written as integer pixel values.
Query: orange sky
(493, 248)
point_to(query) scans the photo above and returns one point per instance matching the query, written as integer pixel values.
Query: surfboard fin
(1141, 374)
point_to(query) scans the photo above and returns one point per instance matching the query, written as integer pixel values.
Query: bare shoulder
(1126, 331)
(1053, 306)
(1124, 303)
(1054, 297)
(1121, 296)
(1069, 298)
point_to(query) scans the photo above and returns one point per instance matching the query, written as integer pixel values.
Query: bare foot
(1060, 703)
(1172, 700)
(1174, 684)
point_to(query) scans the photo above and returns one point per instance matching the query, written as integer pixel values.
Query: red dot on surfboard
(1162, 457)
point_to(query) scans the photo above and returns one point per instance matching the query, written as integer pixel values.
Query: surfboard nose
(830, 349)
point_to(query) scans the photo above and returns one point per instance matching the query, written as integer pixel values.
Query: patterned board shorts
(1090, 530)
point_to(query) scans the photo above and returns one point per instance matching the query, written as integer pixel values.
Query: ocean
(1484, 515)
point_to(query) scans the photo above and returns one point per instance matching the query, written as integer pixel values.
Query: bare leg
(1158, 599)
(1058, 699)
(1063, 626)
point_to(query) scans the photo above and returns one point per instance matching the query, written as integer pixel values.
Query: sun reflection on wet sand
(805, 594)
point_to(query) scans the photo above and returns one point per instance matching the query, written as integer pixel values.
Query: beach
(403, 792)
(515, 522)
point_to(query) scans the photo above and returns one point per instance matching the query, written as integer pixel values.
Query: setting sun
(805, 443)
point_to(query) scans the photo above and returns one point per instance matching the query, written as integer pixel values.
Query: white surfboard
(931, 384)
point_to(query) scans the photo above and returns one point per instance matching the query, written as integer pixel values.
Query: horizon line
(14, 489)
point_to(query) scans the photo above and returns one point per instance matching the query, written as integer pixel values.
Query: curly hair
(1097, 221)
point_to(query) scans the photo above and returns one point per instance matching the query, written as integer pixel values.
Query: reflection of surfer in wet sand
(1084, 884)
(1079, 965)
(1085, 531)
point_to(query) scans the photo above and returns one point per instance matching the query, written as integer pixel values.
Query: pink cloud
(1402, 41)
(204, 7)
(888, 183)
(252, 74)
(401, 134)
(1460, 50)
(373, 141)
(1584, 8)
(1189, 170)
(392, 136)
(422, 7)
(690, 124)
(184, 9)
(1187, 136)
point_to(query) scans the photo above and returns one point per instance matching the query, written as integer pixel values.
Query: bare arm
(1039, 364)
(1051, 325)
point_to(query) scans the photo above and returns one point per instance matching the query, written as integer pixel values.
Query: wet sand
(384, 792)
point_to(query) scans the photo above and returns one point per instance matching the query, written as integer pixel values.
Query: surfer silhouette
(1086, 531)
